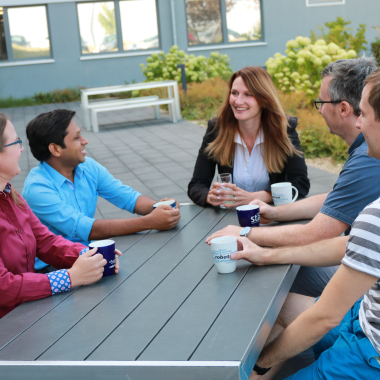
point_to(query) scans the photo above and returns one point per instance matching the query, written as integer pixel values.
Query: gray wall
(282, 20)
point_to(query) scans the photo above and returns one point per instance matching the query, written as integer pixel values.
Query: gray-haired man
(333, 213)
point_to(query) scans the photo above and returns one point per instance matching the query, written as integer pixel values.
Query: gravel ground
(325, 163)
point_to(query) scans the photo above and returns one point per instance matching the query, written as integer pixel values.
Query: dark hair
(348, 77)
(48, 128)
(374, 94)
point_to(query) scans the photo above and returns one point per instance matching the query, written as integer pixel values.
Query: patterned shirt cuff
(59, 281)
(83, 251)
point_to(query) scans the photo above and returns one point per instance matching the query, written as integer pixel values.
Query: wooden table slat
(51, 327)
(92, 330)
(129, 340)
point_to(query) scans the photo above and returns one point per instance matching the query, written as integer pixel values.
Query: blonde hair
(3, 122)
(277, 146)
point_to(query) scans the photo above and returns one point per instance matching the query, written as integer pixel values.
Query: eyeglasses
(318, 103)
(19, 141)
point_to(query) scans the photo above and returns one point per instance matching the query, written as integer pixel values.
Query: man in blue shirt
(358, 184)
(63, 189)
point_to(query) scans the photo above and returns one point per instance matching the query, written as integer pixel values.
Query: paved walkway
(155, 157)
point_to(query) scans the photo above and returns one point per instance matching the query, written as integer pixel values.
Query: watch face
(245, 231)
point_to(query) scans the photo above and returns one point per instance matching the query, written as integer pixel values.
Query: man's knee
(294, 305)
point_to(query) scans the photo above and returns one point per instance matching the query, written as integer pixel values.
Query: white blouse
(250, 172)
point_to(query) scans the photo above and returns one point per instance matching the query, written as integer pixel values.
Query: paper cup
(221, 249)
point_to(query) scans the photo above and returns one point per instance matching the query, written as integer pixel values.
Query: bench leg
(157, 113)
(85, 112)
(94, 121)
(173, 113)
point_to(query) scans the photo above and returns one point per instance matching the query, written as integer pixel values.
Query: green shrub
(58, 96)
(340, 34)
(300, 69)
(161, 66)
(375, 47)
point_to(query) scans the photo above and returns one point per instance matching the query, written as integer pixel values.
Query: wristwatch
(245, 231)
(261, 371)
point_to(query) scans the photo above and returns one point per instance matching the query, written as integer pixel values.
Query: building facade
(45, 45)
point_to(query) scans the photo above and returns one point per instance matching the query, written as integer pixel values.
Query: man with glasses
(357, 185)
(63, 189)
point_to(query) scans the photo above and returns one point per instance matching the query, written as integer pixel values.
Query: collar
(259, 138)
(7, 188)
(358, 141)
(57, 177)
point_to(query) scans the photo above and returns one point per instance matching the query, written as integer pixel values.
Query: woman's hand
(240, 196)
(88, 268)
(117, 262)
(212, 196)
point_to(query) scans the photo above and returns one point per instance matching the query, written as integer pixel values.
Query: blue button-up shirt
(357, 185)
(68, 208)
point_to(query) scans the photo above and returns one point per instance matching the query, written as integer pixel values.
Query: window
(97, 25)
(319, 3)
(139, 24)
(24, 33)
(223, 21)
(117, 26)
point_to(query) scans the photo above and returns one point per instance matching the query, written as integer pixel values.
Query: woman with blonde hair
(253, 140)
(23, 237)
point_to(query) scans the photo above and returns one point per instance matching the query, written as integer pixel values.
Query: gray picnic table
(167, 315)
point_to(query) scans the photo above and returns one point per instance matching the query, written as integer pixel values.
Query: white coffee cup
(282, 193)
(221, 249)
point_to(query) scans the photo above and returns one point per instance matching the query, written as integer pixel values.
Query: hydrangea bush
(300, 69)
(161, 66)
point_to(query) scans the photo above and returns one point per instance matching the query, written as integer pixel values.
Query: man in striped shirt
(343, 332)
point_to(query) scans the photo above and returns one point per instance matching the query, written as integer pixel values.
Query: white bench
(131, 103)
(172, 100)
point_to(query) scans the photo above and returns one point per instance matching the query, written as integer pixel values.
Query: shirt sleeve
(53, 249)
(59, 281)
(114, 191)
(363, 246)
(355, 188)
(19, 288)
(204, 170)
(296, 169)
(48, 206)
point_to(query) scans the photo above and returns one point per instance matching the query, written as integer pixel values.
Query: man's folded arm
(320, 228)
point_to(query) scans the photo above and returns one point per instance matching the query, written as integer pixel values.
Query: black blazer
(295, 170)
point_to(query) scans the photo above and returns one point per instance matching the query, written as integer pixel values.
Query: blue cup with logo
(249, 215)
(107, 249)
(170, 202)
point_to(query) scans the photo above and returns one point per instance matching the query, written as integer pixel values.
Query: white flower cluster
(300, 69)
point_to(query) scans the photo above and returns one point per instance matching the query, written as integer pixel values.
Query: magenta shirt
(22, 238)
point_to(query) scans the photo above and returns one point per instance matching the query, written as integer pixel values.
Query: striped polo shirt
(363, 254)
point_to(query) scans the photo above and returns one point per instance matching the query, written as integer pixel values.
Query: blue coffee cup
(249, 215)
(170, 202)
(107, 249)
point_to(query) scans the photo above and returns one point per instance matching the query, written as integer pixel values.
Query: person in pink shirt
(23, 238)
